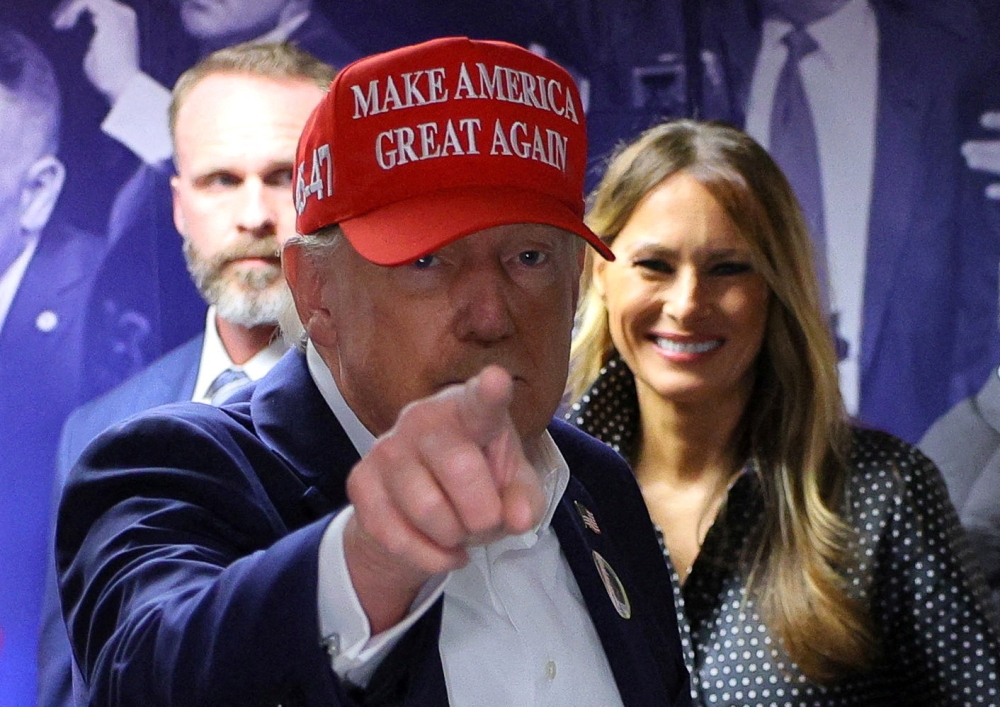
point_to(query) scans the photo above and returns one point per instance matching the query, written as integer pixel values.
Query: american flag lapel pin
(588, 517)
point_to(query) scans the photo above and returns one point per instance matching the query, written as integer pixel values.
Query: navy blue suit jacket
(42, 358)
(171, 379)
(188, 544)
(930, 289)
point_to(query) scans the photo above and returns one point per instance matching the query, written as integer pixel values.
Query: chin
(531, 417)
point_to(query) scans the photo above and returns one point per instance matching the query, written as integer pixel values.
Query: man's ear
(179, 222)
(306, 281)
(42, 186)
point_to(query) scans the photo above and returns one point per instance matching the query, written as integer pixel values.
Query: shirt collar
(10, 280)
(215, 359)
(547, 459)
(829, 32)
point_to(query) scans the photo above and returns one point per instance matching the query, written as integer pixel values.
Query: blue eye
(219, 180)
(279, 178)
(532, 257)
(425, 262)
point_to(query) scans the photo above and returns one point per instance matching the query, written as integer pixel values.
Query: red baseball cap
(417, 147)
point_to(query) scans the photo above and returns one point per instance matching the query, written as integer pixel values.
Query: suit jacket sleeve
(206, 588)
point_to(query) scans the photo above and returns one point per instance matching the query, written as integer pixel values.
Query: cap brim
(406, 230)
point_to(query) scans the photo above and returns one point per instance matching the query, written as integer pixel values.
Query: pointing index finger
(484, 402)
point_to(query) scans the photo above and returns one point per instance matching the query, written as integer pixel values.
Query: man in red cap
(391, 516)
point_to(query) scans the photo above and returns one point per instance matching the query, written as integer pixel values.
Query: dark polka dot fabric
(937, 643)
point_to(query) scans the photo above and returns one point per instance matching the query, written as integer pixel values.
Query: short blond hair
(277, 60)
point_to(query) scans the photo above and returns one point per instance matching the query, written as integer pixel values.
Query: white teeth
(692, 348)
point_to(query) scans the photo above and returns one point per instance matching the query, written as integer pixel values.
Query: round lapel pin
(613, 585)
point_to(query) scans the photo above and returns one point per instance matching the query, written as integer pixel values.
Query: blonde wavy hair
(794, 427)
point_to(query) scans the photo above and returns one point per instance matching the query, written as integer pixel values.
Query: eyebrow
(211, 172)
(647, 250)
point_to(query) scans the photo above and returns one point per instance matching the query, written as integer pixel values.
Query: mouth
(256, 261)
(686, 347)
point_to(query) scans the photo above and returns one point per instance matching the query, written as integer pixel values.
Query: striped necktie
(225, 384)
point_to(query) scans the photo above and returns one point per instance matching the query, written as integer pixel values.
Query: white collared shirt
(215, 359)
(10, 280)
(841, 81)
(515, 629)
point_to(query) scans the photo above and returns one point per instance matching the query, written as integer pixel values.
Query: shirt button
(550, 670)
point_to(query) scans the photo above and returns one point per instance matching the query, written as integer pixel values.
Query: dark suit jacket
(188, 544)
(168, 380)
(965, 444)
(930, 290)
(41, 364)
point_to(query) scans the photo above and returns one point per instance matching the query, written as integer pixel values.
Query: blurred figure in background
(46, 277)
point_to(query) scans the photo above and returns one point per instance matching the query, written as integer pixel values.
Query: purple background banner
(914, 242)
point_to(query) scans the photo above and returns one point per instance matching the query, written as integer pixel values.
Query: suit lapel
(733, 39)
(46, 315)
(610, 597)
(189, 368)
(319, 455)
(175, 377)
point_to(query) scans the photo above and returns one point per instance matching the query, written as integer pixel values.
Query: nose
(685, 298)
(255, 213)
(481, 298)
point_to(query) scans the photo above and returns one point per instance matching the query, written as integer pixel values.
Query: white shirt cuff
(355, 653)
(139, 119)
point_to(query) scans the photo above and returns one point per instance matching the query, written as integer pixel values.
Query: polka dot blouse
(937, 644)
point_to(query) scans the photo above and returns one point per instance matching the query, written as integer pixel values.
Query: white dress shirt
(841, 81)
(515, 629)
(214, 359)
(10, 279)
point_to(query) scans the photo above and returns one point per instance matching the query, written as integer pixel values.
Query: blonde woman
(812, 562)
